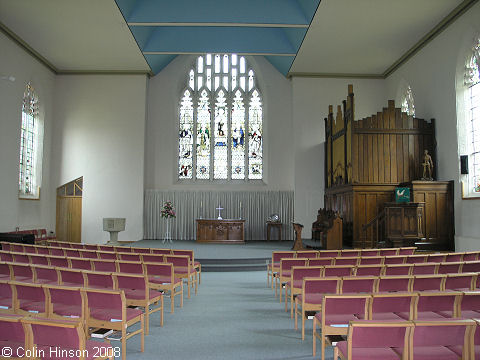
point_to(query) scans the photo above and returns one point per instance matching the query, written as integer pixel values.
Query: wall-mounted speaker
(463, 164)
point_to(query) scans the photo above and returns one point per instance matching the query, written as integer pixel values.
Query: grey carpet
(234, 316)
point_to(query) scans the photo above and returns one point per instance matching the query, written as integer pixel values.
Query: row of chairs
(346, 259)
(338, 312)
(94, 308)
(157, 276)
(146, 254)
(48, 338)
(40, 234)
(181, 263)
(286, 265)
(308, 298)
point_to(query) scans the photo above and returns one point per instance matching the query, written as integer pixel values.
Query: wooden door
(69, 211)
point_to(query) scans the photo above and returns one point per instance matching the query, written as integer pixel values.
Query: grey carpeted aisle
(234, 316)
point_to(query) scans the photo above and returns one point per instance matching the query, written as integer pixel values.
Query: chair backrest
(33, 292)
(123, 249)
(369, 252)
(72, 277)
(89, 254)
(130, 282)
(450, 268)
(99, 280)
(344, 305)
(42, 250)
(431, 334)
(162, 251)
(129, 257)
(371, 260)
(38, 259)
(428, 282)
(129, 267)
(105, 299)
(285, 264)
(306, 254)
(338, 270)
(93, 247)
(369, 270)
(416, 259)
(45, 273)
(394, 283)
(395, 259)
(425, 269)
(398, 269)
(141, 250)
(300, 272)
(188, 253)
(437, 258)
(473, 266)
(393, 303)
(388, 252)
(64, 334)
(104, 265)
(5, 272)
(104, 255)
(77, 246)
(56, 251)
(463, 281)
(352, 261)
(470, 256)
(157, 269)
(454, 257)
(6, 292)
(21, 258)
(153, 258)
(446, 302)
(357, 285)
(72, 253)
(406, 250)
(106, 248)
(12, 331)
(320, 262)
(6, 256)
(59, 295)
(82, 264)
(328, 253)
(470, 302)
(17, 248)
(373, 335)
(58, 261)
(321, 285)
(21, 271)
(349, 253)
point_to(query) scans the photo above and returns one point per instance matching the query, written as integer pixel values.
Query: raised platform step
(246, 264)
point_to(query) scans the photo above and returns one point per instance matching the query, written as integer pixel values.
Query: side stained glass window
(221, 121)
(28, 184)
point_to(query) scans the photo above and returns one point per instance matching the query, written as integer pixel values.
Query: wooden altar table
(225, 231)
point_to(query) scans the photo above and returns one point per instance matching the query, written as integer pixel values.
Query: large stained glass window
(408, 104)
(223, 107)
(472, 83)
(30, 147)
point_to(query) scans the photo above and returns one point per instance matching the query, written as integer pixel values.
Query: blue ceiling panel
(166, 28)
(281, 63)
(224, 11)
(158, 62)
(220, 39)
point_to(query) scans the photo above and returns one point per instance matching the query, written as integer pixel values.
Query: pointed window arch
(220, 121)
(472, 123)
(29, 174)
(408, 104)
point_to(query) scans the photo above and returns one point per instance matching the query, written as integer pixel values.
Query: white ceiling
(345, 37)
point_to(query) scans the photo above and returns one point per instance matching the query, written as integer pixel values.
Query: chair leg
(172, 300)
(147, 319)
(188, 287)
(296, 314)
(161, 311)
(142, 346)
(314, 336)
(291, 305)
(303, 324)
(335, 353)
(124, 343)
(286, 297)
(181, 296)
(322, 340)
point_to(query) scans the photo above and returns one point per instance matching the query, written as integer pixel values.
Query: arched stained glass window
(408, 105)
(221, 121)
(472, 83)
(29, 177)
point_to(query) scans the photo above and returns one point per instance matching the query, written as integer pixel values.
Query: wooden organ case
(366, 160)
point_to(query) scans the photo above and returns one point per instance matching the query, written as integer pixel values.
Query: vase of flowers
(168, 212)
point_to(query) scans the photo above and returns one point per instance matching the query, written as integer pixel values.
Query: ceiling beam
(152, 24)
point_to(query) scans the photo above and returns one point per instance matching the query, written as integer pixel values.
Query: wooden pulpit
(404, 223)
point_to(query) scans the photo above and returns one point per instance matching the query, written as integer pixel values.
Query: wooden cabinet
(404, 223)
(220, 231)
(439, 213)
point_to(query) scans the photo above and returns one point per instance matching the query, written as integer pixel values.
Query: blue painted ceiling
(164, 29)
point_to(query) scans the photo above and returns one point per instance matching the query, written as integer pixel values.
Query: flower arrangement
(168, 210)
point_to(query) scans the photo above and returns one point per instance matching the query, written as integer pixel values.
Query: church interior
(229, 133)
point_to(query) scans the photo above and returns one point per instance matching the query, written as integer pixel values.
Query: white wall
(433, 74)
(26, 214)
(311, 98)
(99, 134)
(161, 145)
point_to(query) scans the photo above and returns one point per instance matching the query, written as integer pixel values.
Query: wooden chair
(7, 297)
(273, 268)
(424, 269)
(293, 287)
(108, 309)
(398, 270)
(310, 300)
(375, 340)
(46, 275)
(429, 282)
(104, 265)
(80, 264)
(61, 338)
(22, 272)
(358, 285)
(71, 277)
(98, 280)
(336, 313)
(13, 338)
(196, 264)
(388, 284)
(369, 270)
(5, 272)
(393, 307)
(65, 302)
(184, 270)
(137, 293)
(285, 272)
(460, 282)
(437, 305)
(30, 299)
(162, 277)
(38, 259)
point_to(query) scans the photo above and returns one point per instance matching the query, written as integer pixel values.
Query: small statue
(427, 166)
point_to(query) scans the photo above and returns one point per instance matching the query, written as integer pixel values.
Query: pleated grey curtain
(253, 206)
